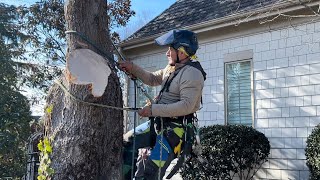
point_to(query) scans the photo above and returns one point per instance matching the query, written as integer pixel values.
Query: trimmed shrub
(313, 153)
(227, 152)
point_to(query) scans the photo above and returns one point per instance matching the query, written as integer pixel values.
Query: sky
(145, 10)
(155, 6)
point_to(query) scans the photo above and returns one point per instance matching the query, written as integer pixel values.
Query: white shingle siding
(287, 100)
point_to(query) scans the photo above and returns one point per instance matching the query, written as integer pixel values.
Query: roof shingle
(188, 12)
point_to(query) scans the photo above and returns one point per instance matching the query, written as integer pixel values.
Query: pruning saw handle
(123, 58)
(131, 76)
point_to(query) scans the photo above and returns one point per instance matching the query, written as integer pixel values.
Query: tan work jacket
(184, 94)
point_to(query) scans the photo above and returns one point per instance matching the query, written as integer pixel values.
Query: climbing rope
(135, 109)
(134, 132)
(92, 44)
(161, 142)
(110, 59)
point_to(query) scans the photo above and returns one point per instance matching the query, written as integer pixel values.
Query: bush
(228, 151)
(313, 153)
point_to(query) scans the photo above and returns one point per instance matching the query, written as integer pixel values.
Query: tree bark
(87, 139)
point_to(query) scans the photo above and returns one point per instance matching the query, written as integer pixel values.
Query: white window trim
(241, 56)
(238, 56)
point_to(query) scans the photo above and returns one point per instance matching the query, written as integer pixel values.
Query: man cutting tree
(181, 81)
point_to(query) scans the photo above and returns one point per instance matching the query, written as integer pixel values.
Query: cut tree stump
(87, 67)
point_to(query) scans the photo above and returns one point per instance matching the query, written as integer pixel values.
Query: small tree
(313, 153)
(227, 152)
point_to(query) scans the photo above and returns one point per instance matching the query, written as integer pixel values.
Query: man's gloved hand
(125, 65)
(145, 111)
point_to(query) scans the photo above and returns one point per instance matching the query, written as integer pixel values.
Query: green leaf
(45, 157)
(40, 146)
(49, 161)
(49, 109)
(40, 170)
(49, 148)
(47, 145)
(49, 171)
(46, 141)
(41, 177)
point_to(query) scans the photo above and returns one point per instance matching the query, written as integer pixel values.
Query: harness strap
(167, 85)
(196, 65)
(168, 81)
(187, 144)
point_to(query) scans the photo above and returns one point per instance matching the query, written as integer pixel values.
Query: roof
(188, 12)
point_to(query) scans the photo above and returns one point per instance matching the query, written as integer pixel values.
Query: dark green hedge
(313, 153)
(228, 151)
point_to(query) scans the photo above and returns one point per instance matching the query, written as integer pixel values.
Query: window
(238, 88)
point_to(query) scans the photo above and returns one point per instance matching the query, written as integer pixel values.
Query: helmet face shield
(166, 39)
(178, 38)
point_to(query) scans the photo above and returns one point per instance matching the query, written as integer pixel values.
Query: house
(261, 56)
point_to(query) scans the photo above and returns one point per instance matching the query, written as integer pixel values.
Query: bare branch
(266, 17)
(270, 20)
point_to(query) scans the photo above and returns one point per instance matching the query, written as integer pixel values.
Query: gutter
(231, 20)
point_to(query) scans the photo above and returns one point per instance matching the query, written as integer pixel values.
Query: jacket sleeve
(149, 78)
(191, 85)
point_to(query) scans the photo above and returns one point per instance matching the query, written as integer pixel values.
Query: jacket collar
(180, 65)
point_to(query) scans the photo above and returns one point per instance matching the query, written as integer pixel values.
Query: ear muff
(184, 51)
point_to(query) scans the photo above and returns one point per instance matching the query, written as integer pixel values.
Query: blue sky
(145, 10)
(157, 6)
(17, 2)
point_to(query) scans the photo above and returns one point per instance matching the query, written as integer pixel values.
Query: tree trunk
(87, 139)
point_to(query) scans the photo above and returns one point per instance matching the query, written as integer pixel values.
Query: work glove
(145, 111)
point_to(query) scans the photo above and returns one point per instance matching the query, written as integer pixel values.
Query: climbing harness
(191, 133)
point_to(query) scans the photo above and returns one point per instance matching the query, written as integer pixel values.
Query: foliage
(9, 30)
(15, 39)
(45, 148)
(44, 170)
(313, 153)
(119, 13)
(228, 151)
(44, 42)
(14, 124)
(37, 76)
(44, 23)
(14, 107)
